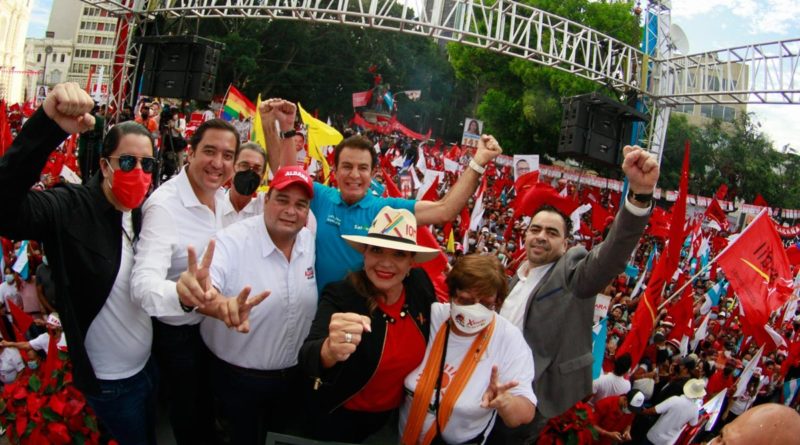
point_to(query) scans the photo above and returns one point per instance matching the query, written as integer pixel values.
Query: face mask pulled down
(472, 318)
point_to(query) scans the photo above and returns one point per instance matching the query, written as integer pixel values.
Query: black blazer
(337, 384)
(80, 229)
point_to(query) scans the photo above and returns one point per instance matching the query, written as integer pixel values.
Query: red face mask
(130, 187)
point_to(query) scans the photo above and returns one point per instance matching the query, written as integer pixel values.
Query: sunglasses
(128, 163)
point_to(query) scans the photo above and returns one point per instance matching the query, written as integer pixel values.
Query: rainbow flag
(235, 103)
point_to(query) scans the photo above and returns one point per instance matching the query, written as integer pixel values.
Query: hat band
(391, 238)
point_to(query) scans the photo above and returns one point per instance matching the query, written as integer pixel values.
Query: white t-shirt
(246, 256)
(608, 385)
(9, 292)
(118, 340)
(675, 412)
(42, 342)
(514, 305)
(507, 349)
(253, 208)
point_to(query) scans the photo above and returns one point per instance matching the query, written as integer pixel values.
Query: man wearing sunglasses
(88, 232)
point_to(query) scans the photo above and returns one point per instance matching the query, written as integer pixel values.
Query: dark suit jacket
(559, 312)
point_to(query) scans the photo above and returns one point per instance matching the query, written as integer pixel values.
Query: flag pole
(688, 282)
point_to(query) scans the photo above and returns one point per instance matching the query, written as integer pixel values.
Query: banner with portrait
(473, 129)
(525, 164)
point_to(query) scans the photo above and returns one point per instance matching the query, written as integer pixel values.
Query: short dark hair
(117, 132)
(549, 208)
(484, 273)
(622, 364)
(357, 142)
(216, 124)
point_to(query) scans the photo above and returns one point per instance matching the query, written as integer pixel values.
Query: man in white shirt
(613, 383)
(552, 296)
(184, 211)
(254, 375)
(676, 412)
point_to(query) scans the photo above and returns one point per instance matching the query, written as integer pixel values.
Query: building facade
(51, 58)
(14, 18)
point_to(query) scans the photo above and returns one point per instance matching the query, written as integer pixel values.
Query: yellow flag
(320, 135)
(258, 132)
(451, 242)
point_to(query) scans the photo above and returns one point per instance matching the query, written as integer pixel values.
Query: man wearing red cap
(273, 255)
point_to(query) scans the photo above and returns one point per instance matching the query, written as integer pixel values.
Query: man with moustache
(553, 293)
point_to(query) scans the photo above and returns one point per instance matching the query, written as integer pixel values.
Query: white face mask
(471, 319)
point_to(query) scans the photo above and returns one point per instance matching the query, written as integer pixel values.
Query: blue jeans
(127, 407)
(255, 402)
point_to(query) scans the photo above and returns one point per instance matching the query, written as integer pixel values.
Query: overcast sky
(709, 25)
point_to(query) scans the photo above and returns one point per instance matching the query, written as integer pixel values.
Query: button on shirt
(513, 308)
(335, 258)
(246, 256)
(173, 220)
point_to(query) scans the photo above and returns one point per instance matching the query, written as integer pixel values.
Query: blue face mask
(44, 261)
(33, 364)
(9, 278)
(737, 372)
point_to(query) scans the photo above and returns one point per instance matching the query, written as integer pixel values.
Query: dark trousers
(183, 363)
(255, 402)
(127, 407)
(344, 425)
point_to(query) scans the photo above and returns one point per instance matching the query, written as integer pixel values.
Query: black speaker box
(182, 67)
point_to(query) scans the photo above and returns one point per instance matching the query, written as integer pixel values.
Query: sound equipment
(596, 127)
(183, 67)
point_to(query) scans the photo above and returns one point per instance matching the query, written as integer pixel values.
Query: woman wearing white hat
(369, 332)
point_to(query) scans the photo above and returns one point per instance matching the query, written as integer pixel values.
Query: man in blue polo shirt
(349, 210)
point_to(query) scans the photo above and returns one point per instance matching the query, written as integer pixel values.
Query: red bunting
(722, 191)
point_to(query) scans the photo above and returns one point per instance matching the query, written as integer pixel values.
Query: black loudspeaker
(183, 67)
(596, 127)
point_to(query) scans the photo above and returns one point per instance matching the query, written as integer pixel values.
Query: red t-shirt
(611, 418)
(403, 351)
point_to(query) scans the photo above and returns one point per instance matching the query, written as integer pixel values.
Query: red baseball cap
(286, 176)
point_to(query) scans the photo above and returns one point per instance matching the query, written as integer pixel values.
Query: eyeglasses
(128, 163)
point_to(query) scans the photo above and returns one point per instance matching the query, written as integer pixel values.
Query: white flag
(747, 373)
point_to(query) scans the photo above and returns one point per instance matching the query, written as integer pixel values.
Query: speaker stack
(183, 67)
(596, 127)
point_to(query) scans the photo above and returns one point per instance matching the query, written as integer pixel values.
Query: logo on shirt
(332, 219)
(310, 273)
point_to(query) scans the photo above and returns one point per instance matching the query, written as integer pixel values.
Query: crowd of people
(345, 312)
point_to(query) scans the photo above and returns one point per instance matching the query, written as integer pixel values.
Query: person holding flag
(555, 289)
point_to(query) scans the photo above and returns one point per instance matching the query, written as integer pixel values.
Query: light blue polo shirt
(335, 258)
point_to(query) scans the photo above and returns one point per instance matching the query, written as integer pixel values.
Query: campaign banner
(524, 164)
(472, 132)
(601, 306)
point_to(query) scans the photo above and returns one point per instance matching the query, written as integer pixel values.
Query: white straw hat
(393, 229)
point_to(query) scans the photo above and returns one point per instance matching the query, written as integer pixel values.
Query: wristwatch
(644, 198)
(185, 308)
(288, 134)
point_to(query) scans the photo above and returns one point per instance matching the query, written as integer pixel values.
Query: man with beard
(554, 292)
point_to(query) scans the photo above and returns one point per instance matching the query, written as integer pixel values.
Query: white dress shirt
(253, 208)
(174, 219)
(513, 308)
(246, 256)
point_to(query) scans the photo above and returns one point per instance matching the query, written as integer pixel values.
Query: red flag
(535, 197)
(722, 191)
(391, 188)
(793, 254)
(659, 223)
(758, 269)
(601, 217)
(362, 98)
(51, 361)
(22, 320)
(645, 315)
(715, 213)
(432, 194)
(463, 227)
(682, 313)
(760, 201)
(525, 182)
(676, 234)
(5, 129)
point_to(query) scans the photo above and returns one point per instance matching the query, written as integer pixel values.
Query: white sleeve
(41, 342)
(518, 365)
(664, 406)
(149, 287)
(637, 211)
(220, 267)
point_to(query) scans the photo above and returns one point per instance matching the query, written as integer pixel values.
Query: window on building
(101, 26)
(38, 58)
(54, 57)
(63, 57)
(98, 40)
(95, 54)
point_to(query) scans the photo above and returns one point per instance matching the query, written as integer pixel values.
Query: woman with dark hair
(89, 232)
(369, 332)
(477, 365)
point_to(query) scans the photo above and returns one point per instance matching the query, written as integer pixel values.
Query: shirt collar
(187, 195)
(364, 202)
(268, 247)
(525, 270)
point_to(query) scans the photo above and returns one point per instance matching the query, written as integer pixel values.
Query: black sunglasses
(128, 163)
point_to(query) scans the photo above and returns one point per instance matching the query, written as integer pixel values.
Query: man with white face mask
(553, 293)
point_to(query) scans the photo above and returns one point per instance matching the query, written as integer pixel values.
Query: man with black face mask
(242, 201)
